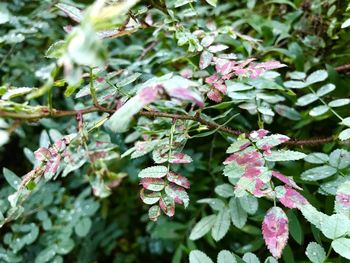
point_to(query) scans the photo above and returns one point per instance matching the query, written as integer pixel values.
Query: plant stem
(171, 139)
(328, 254)
(43, 112)
(330, 108)
(92, 88)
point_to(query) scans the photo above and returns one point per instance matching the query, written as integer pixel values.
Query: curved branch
(45, 113)
(343, 68)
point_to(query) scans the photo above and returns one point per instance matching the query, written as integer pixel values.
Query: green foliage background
(65, 217)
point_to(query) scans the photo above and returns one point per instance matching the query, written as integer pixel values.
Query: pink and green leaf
(275, 231)
(153, 184)
(154, 213)
(342, 199)
(285, 179)
(167, 204)
(290, 198)
(178, 179)
(149, 198)
(178, 194)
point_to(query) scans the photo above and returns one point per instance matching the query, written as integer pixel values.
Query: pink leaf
(259, 134)
(180, 158)
(42, 154)
(186, 94)
(167, 204)
(285, 179)
(271, 65)
(275, 231)
(289, 197)
(255, 72)
(212, 79)
(250, 158)
(342, 199)
(255, 180)
(149, 94)
(221, 87)
(52, 166)
(214, 95)
(58, 147)
(178, 179)
(186, 73)
(222, 66)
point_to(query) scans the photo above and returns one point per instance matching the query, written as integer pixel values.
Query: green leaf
(46, 255)
(335, 226)
(73, 12)
(316, 76)
(215, 203)
(306, 99)
(312, 215)
(295, 228)
(339, 103)
(238, 215)
(224, 190)
(325, 89)
(179, 3)
(154, 212)
(250, 258)
(13, 180)
(4, 137)
(205, 59)
(249, 203)
(342, 247)
(158, 171)
(346, 23)
(226, 256)
(339, 158)
(283, 156)
(287, 112)
(197, 256)
(318, 173)
(271, 260)
(221, 225)
(346, 121)
(298, 75)
(65, 246)
(293, 84)
(319, 110)
(17, 92)
(345, 134)
(128, 80)
(317, 158)
(83, 226)
(202, 227)
(233, 170)
(212, 2)
(315, 253)
(56, 50)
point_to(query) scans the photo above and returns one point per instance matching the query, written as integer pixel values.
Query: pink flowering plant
(174, 131)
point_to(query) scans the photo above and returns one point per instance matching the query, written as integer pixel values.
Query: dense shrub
(174, 131)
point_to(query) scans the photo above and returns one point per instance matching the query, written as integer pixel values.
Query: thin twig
(343, 68)
(45, 113)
